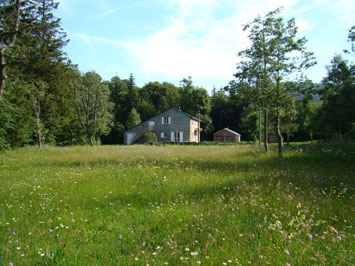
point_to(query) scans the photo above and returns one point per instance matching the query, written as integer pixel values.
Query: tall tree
(337, 111)
(197, 102)
(93, 106)
(43, 66)
(254, 72)
(282, 54)
(9, 26)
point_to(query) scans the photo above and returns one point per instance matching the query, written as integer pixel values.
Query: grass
(177, 205)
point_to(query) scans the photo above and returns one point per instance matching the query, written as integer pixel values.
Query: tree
(93, 106)
(275, 54)
(254, 72)
(134, 119)
(351, 39)
(227, 109)
(196, 101)
(337, 110)
(9, 26)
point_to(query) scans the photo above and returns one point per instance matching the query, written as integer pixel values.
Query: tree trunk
(259, 128)
(311, 137)
(91, 142)
(2, 71)
(266, 144)
(36, 108)
(279, 134)
(340, 135)
(38, 127)
(288, 139)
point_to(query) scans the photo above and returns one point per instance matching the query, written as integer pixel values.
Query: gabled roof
(229, 130)
(192, 117)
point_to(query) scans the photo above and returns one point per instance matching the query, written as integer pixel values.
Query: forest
(46, 99)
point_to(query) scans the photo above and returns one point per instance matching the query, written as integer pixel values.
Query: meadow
(178, 205)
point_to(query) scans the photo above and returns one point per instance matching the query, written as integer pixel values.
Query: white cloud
(198, 43)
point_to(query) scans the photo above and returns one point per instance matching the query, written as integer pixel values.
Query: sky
(168, 40)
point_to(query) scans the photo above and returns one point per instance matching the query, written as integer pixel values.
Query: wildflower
(73, 220)
(11, 264)
(288, 264)
(339, 237)
(334, 230)
(119, 236)
(287, 252)
(310, 236)
(195, 253)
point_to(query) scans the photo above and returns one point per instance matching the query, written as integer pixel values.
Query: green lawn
(177, 205)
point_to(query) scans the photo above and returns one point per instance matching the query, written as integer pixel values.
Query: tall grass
(177, 205)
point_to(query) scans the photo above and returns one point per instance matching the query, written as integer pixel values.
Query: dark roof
(229, 130)
(192, 117)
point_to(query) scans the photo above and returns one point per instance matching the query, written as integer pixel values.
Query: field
(177, 205)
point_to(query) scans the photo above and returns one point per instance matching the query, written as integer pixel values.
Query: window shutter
(172, 136)
(162, 120)
(181, 136)
(169, 120)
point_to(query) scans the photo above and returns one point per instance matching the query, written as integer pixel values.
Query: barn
(226, 135)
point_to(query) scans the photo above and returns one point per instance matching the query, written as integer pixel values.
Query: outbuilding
(226, 135)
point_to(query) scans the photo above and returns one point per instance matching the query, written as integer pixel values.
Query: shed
(226, 135)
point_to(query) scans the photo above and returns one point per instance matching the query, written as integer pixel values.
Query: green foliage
(275, 53)
(150, 138)
(134, 119)
(351, 39)
(196, 101)
(337, 112)
(177, 205)
(250, 125)
(93, 106)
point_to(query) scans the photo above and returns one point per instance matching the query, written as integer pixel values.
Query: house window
(177, 136)
(151, 125)
(164, 135)
(166, 120)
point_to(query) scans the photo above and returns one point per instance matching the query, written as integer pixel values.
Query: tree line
(44, 98)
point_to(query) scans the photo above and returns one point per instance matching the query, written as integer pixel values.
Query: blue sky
(168, 40)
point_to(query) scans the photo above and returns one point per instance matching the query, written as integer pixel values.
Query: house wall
(178, 122)
(193, 130)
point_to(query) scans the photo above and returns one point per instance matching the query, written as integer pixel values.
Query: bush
(150, 138)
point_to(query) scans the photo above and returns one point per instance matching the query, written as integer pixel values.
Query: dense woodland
(44, 98)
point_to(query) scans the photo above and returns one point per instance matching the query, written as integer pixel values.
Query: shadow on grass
(309, 167)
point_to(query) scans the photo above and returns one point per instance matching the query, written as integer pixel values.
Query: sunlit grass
(177, 205)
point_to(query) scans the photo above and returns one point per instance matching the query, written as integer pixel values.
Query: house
(226, 135)
(172, 125)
